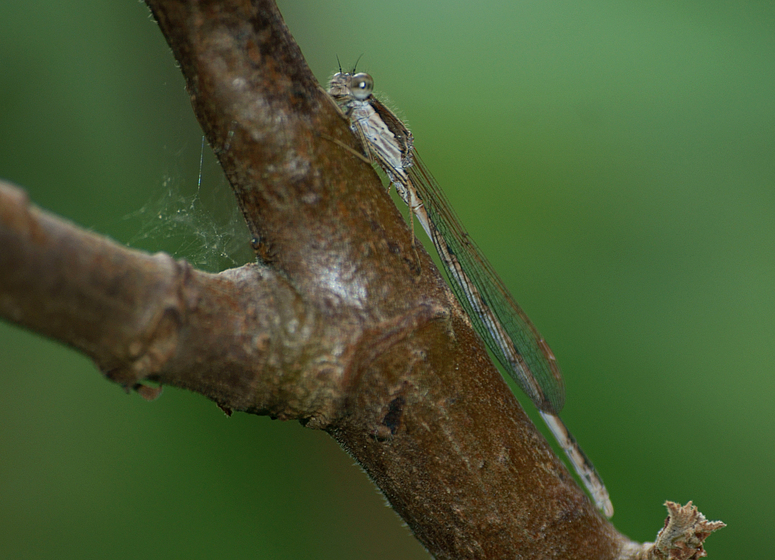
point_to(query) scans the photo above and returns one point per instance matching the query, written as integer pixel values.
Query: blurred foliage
(616, 162)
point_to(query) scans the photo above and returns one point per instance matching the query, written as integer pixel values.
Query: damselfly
(505, 328)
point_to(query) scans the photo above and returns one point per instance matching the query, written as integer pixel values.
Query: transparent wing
(504, 327)
(501, 323)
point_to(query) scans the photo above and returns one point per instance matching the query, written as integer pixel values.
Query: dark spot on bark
(392, 419)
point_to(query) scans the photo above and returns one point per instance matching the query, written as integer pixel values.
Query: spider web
(198, 222)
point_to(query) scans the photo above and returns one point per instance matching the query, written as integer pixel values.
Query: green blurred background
(616, 162)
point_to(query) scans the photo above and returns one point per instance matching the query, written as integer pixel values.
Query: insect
(495, 315)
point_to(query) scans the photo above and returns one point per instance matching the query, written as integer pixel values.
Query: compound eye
(361, 86)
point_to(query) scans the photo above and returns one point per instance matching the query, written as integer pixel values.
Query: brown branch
(339, 327)
(148, 317)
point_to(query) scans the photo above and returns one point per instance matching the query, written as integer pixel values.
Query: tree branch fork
(338, 325)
